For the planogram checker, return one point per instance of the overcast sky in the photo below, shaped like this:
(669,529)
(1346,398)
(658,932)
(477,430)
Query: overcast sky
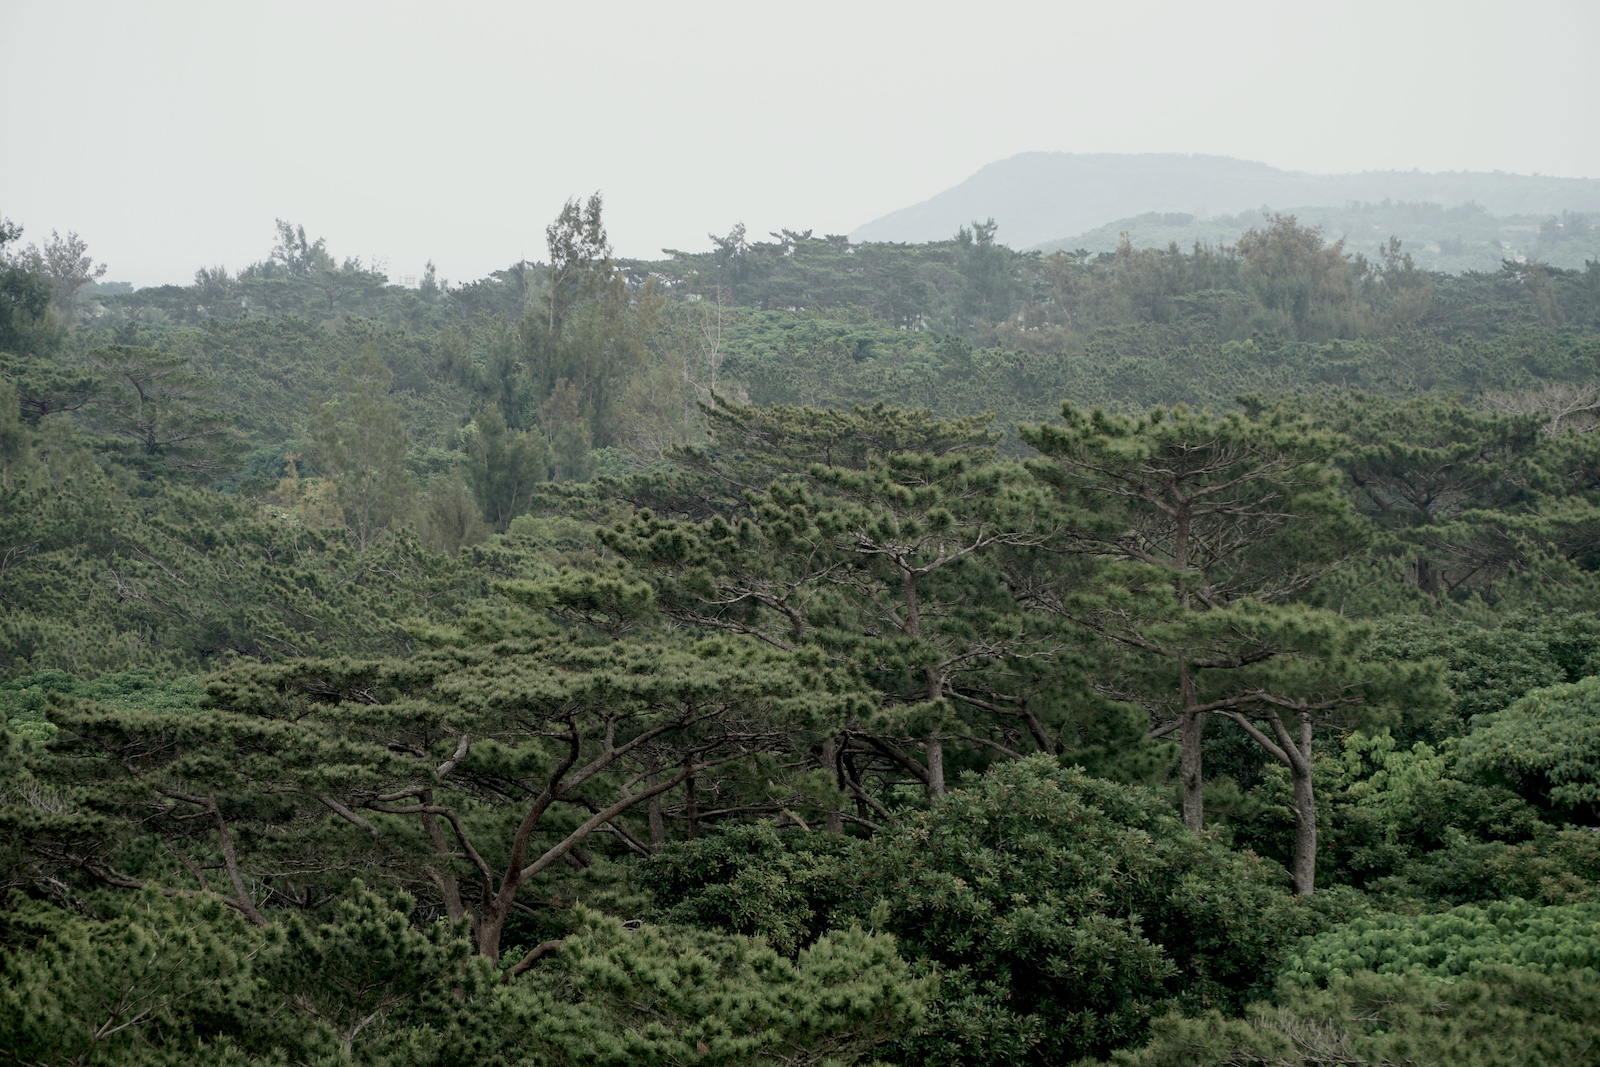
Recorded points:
(171,133)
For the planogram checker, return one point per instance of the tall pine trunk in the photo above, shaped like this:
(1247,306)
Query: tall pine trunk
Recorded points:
(1305,811)
(935,768)
(830,763)
(1189,762)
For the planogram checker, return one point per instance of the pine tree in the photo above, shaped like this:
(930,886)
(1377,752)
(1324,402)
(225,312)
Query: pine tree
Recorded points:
(1218,525)
(655,996)
(160,408)
(505,467)
(139,987)
(367,979)
(465,773)
(361,444)
(881,559)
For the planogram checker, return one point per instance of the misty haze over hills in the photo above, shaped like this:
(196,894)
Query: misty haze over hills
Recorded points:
(1456,239)
(1039,197)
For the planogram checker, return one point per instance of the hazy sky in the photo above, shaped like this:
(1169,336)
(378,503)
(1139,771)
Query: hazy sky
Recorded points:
(171,133)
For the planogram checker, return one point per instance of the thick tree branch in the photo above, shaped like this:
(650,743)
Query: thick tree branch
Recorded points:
(601,817)
(348,815)
(534,955)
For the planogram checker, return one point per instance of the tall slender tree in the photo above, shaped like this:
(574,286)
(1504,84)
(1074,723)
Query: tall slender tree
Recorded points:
(361,443)
(1221,523)
(1215,510)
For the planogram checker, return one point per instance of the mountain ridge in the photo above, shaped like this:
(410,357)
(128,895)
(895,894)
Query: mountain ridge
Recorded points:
(1037,197)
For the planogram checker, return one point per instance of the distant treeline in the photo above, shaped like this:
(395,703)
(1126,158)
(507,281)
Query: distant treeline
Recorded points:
(1286,276)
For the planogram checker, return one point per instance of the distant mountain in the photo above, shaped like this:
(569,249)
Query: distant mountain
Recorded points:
(1456,239)
(1046,196)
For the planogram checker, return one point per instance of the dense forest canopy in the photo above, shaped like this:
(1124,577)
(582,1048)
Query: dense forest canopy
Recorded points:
(801,651)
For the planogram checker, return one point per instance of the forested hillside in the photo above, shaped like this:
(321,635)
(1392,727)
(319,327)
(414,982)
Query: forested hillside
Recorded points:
(801,651)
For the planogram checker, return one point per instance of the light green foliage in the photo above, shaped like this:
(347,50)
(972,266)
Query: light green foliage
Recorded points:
(155,983)
(1389,808)
(1557,940)
(1424,824)
(369,981)
(1501,1017)
(23,711)
(656,996)
(156,980)
(754,881)
(1388,783)
(614,604)
(140,688)
(1411,826)
(25,704)
(1549,741)
(540,545)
